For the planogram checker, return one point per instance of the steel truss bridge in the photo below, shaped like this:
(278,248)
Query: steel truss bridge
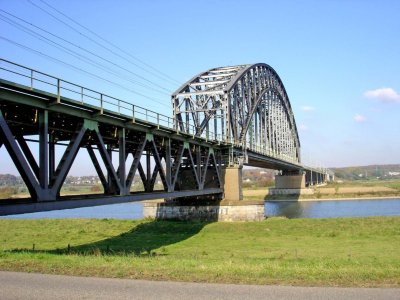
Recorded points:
(230,116)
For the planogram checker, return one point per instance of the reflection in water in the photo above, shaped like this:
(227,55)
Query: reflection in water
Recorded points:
(333,209)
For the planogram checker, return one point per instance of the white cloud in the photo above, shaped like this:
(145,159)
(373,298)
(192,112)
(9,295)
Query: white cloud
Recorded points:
(387,95)
(303,127)
(307,108)
(359,118)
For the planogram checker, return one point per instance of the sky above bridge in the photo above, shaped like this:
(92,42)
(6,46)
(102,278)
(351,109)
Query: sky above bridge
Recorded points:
(339,60)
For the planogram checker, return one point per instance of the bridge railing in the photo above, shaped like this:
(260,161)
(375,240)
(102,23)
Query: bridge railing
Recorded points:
(63,89)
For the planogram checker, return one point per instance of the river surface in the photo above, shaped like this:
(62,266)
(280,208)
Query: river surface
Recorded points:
(334,209)
(310,209)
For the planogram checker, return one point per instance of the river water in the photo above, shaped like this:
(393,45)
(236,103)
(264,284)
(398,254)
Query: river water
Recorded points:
(310,209)
(334,209)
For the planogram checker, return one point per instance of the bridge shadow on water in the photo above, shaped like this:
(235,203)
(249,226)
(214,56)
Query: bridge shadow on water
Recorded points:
(282,197)
(141,240)
(287,206)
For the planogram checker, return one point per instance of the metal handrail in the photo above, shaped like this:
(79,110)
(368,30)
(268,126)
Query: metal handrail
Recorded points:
(106,102)
(135,112)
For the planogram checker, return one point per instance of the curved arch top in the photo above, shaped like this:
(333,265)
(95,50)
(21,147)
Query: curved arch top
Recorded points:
(246,105)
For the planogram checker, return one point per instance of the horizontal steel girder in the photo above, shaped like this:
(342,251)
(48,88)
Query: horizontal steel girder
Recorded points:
(81,128)
(67,203)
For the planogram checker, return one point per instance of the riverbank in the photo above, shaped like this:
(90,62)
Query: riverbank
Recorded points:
(288,199)
(309,252)
(328,193)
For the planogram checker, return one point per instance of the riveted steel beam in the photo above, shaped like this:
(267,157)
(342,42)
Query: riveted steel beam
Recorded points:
(44,149)
(67,203)
(98,169)
(18,158)
(67,159)
(135,163)
(28,155)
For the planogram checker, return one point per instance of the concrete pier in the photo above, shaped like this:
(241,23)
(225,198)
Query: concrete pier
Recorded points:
(233,183)
(232,208)
(290,181)
(290,185)
(225,211)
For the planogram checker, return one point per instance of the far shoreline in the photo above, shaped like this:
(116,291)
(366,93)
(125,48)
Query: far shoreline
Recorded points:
(333,199)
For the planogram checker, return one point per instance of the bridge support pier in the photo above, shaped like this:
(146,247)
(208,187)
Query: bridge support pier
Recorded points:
(297,181)
(290,184)
(231,208)
(315,178)
(233,183)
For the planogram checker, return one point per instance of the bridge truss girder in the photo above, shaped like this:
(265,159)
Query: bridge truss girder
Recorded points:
(245,105)
(62,129)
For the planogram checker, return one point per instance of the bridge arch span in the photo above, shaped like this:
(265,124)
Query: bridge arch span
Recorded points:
(245,105)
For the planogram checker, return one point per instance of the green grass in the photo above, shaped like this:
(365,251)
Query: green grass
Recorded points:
(394,185)
(329,252)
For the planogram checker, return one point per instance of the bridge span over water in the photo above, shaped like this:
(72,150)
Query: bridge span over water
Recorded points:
(223,119)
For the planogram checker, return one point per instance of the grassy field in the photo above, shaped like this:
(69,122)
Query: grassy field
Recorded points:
(312,252)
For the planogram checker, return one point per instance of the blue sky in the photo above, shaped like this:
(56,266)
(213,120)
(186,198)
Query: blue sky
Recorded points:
(339,60)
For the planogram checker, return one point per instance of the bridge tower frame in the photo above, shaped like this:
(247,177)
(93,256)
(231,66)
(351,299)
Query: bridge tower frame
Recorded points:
(245,105)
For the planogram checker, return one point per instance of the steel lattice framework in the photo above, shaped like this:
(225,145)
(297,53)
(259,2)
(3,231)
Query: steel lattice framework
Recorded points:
(222,118)
(245,105)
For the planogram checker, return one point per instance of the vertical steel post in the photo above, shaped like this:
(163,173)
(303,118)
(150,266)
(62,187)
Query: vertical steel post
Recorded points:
(222,139)
(215,125)
(256,127)
(122,159)
(43,149)
(227,112)
(269,124)
(266,140)
(111,187)
(187,115)
(148,170)
(168,165)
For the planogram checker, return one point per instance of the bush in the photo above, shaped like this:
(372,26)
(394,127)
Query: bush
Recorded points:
(96,188)
(7,192)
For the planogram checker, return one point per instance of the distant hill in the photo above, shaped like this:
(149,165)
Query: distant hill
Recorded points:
(368,172)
